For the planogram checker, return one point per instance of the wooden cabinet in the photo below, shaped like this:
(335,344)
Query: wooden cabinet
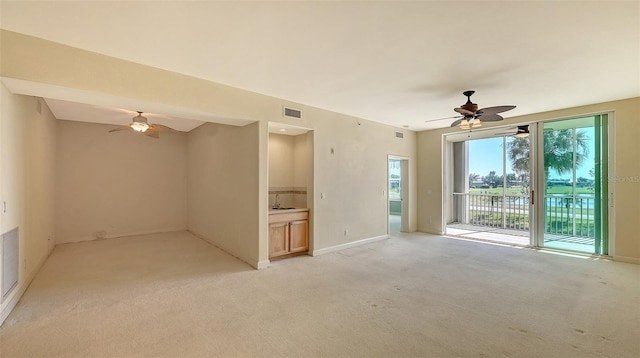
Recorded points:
(288,233)
(299,236)
(278,239)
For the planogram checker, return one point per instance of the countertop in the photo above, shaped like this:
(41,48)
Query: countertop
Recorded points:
(283,211)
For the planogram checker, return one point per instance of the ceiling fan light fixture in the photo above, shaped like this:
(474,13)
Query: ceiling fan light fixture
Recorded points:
(464,124)
(523,132)
(139,126)
(476,123)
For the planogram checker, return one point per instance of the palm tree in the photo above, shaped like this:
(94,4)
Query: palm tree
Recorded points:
(518,151)
(558,151)
(473,177)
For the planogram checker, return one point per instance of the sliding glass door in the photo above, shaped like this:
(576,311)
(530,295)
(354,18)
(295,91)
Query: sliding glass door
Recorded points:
(491,181)
(573,190)
(543,184)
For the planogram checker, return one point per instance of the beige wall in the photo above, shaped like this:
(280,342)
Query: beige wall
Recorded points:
(27,152)
(118,184)
(281,160)
(289,169)
(353,178)
(302,160)
(223,196)
(624,180)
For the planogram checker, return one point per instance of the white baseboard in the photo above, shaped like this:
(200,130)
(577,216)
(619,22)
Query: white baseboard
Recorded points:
(629,260)
(430,231)
(262,264)
(249,261)
(327,250)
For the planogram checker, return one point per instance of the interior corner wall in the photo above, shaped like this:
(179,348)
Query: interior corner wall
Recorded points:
(223,188)
(624,179)
(281,160)
(118,184)
(27,152)
(301,162)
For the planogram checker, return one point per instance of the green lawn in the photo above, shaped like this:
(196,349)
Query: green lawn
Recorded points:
(518,191)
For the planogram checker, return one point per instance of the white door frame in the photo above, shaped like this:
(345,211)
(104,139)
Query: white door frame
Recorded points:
(404,190)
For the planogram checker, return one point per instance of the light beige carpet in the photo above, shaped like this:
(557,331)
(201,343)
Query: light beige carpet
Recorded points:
(173,295)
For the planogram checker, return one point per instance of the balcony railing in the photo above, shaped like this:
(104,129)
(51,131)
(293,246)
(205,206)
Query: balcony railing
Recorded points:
(564,214)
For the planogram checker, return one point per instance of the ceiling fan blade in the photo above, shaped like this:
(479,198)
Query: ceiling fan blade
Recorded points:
(463,111)
(490,118)
(441,119)
(152,132)
(161,128)
(456,123)
(121,128)
(494,110)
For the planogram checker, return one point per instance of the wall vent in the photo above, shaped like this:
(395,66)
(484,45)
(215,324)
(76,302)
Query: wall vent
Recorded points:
(10,264)
(291,112)
(399,135)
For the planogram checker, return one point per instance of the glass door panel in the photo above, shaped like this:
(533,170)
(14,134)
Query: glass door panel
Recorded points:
(491,181)
(572,200)
(395,195)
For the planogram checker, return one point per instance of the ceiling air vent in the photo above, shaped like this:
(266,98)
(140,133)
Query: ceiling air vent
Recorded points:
(399,135)
(291,112)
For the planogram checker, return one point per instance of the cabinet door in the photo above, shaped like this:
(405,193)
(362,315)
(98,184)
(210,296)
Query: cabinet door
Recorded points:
(299,236)
(278,239)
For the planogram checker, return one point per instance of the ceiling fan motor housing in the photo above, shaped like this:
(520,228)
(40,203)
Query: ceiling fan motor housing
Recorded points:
(469,106)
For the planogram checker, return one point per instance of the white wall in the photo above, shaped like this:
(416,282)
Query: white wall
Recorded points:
(118,184)
(27,153)
(223,193)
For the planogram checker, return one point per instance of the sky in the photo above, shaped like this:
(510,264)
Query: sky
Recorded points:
(486,155)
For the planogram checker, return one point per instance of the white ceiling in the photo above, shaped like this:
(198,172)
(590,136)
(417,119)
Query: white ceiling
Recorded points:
(400,63)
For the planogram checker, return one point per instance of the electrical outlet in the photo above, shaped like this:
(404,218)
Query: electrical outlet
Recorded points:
(323,196)
(4,206)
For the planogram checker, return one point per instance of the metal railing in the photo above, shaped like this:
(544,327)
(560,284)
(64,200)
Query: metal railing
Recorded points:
(564,214)
(570,215)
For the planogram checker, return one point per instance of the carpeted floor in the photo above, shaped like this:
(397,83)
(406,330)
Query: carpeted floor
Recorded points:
(173,295)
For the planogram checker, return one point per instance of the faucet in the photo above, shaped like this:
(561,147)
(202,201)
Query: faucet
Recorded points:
(276,204)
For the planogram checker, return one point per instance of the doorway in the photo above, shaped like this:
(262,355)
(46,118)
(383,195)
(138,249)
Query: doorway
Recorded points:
(398,189)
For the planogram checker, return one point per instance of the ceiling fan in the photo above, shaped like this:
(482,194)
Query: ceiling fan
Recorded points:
(472,117)
(522,131)
(139,124)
